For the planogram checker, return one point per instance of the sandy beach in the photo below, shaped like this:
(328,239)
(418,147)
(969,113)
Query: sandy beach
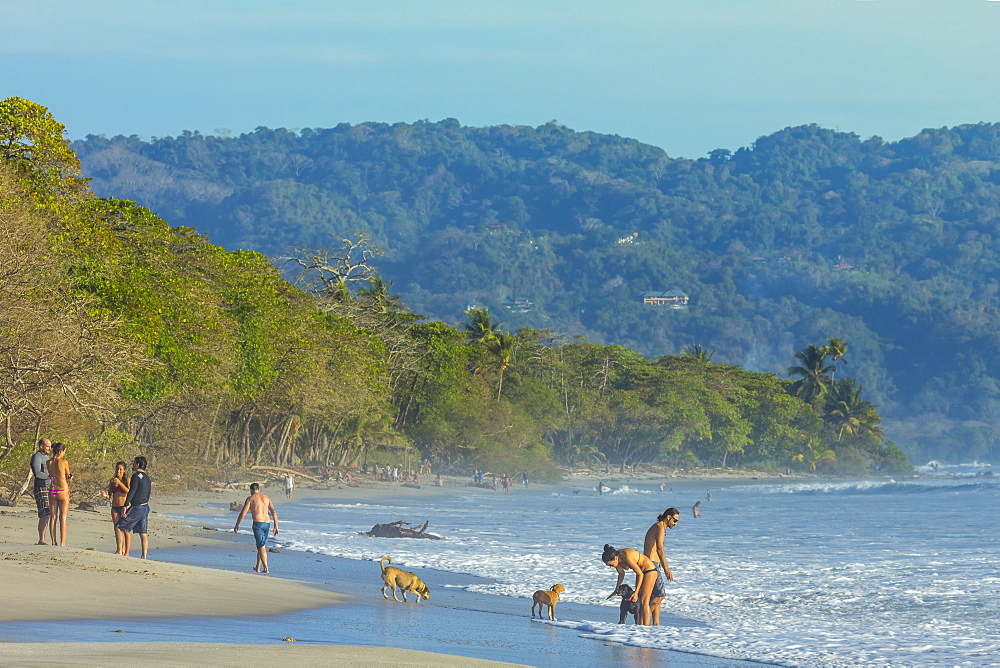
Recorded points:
(85,581)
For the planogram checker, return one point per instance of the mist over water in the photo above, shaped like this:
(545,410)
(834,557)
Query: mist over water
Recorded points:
(887,572)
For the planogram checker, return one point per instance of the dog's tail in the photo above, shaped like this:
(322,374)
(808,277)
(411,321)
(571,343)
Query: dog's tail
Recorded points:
(381,562)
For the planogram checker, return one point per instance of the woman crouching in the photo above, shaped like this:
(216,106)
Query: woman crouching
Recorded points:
(645,575)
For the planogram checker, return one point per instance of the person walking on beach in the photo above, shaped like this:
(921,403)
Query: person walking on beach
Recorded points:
(59,477)
(117,493)
(646,576)
(259,506)
(524,478)
(135,512)
(41,489)
(653,548)
(289,486)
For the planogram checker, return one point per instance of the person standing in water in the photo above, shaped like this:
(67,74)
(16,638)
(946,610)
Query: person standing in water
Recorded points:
(697,509)
(653,548)
(259,506)
(645,576)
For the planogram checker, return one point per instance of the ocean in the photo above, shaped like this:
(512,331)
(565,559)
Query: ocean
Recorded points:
(806,572)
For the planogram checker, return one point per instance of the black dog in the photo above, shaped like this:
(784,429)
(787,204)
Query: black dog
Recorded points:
(627,607)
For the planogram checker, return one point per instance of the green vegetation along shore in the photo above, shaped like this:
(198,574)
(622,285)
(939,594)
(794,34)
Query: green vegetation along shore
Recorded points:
(807,234)
(122,334)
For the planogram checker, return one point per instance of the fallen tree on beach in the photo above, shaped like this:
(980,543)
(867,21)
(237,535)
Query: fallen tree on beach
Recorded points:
(399,530)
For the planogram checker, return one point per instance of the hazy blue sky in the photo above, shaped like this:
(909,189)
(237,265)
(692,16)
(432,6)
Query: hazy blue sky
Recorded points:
(685,75)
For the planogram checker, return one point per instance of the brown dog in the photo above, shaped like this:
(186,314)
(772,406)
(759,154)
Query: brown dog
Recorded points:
(405,580)
(548,597)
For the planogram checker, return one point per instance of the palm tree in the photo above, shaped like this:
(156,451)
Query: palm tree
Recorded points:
(850,414)
(501,346)
(481,326)
(377,297)
(698,352)
(836,349)
(813,374)
(814,453)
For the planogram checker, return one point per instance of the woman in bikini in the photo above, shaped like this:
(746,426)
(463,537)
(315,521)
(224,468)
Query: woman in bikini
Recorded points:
(117,493)
(60,476)
(645,575)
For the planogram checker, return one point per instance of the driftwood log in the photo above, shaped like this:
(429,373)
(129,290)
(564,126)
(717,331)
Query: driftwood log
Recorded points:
(399,530)
(281,472)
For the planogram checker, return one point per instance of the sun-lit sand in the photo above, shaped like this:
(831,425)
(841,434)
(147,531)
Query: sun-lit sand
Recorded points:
(85,581)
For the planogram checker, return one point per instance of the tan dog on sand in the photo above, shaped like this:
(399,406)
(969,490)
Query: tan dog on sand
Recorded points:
(548,597)
(405,580)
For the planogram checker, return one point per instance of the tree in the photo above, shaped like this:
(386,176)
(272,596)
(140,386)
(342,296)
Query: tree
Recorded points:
(501,347)
(814,453)
(835,349)
(699,353)
(481,326)
(849,414)
(813,374)
(32,142)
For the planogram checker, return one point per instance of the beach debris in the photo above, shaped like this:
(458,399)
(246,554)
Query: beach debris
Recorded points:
(274,550)
(289,639)
(399,529)
(120,631)
(87,505)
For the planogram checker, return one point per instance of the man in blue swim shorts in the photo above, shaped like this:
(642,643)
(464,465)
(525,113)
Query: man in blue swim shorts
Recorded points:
(135,512)
(259,506)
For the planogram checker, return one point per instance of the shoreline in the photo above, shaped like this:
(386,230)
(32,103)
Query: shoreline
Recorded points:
(98,583)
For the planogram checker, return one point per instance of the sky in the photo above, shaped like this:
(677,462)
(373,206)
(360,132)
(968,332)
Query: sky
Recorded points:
(688,76)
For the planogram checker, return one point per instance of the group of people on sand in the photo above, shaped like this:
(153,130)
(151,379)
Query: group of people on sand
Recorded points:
(51,490)
(650,589)
(129,498)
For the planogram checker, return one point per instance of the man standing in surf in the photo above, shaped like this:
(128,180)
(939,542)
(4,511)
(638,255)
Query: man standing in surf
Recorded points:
(653,548)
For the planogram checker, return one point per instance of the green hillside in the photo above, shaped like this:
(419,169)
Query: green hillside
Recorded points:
(121,334)
(808,234)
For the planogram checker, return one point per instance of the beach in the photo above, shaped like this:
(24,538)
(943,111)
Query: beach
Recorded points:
(85,581)
(198,570)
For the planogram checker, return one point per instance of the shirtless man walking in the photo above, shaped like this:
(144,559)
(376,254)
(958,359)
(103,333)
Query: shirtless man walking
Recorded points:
(653,548)
(259,506)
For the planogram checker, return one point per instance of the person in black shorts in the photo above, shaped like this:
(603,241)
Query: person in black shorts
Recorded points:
(41,489)
(135,512)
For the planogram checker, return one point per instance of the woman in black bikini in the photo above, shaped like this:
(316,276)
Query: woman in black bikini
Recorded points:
(645,575)
(117,492)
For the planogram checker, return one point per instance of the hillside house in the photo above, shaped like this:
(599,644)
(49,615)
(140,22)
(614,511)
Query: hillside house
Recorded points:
(520,304)
(672,298)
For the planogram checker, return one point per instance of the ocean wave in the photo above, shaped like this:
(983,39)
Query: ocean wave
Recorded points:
(872,487)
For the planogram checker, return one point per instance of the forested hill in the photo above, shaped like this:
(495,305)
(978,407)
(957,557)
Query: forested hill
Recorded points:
(806,235)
